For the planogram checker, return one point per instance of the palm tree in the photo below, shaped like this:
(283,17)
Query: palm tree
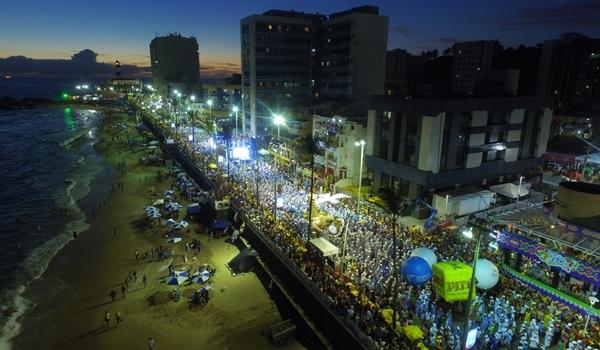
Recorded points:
(394,205)
(310,147)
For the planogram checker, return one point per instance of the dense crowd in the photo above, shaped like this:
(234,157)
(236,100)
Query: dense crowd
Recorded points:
(509,315)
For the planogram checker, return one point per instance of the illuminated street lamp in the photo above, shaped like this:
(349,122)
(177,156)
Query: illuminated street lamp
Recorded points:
(468,233)
(235,110)
(521,178)
(277,120)
(210,103)
(360,144)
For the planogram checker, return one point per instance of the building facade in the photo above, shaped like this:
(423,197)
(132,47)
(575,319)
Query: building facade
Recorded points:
(471,62)
(337,153)
(175,64)
(569,70)
(290,58)
(426,145)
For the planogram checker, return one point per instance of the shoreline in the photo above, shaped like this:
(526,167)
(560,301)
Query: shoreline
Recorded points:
(75,297)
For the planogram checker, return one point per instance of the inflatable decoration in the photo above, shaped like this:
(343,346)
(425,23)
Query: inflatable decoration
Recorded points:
(486,274)
(416,270)
(426,253)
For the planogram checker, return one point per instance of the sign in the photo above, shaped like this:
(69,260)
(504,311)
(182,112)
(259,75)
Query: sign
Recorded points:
(451,280)
(581,270)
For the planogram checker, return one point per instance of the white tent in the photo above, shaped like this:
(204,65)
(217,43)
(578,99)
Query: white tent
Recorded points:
(552,180)
(325,247)
(511,190)
(593,158)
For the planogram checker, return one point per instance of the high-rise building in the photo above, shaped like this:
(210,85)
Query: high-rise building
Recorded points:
(351,53)
(175,63)
(276,65)
(289,58)
(569,70)
(425,145)
(471,62)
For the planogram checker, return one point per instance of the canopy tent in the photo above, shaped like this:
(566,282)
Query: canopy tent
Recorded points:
(552,180)
(244,261)
(593,158)
(324,247)
(511,190)
(194,209)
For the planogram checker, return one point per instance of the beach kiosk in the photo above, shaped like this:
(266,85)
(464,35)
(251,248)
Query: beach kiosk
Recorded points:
(451,280)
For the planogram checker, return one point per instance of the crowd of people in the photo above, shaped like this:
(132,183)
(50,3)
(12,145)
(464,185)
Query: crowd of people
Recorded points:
(361,282)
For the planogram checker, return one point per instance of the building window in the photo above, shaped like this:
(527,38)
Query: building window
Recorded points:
(270,26)
(307,29)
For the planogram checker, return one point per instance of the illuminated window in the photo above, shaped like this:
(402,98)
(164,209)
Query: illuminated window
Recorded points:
(307,29)
(270,26)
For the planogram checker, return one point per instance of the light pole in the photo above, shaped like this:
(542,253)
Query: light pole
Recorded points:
(235,110)
(209,103)
(469,234)
(521,178)
(193,98)
(362,144)
(277,120)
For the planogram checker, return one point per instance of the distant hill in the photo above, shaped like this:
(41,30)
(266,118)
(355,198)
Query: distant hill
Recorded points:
(81,63)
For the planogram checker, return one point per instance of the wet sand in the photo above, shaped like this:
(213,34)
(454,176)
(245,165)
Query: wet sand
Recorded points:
(75,288)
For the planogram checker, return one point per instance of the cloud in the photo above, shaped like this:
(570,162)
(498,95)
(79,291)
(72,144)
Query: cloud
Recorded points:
(402,30)
(81,63)
(446,40)
(219,69)
(566,16)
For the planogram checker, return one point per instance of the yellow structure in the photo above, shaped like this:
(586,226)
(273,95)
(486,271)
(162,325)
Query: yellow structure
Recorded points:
(451,280)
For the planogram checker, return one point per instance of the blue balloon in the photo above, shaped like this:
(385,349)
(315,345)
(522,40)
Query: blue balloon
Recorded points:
(416,270)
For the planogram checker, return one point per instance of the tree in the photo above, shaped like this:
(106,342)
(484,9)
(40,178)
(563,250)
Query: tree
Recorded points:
(310,147)
(391,198)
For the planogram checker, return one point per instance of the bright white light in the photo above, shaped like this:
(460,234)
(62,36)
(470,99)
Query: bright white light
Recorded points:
(220,159)
(468,232)
(190,137)
(111,88)
(175,91)
(279,202)
(360,143)
(211,143)
(78,87)
(278,119)
(172,125)
(241,152)
(209,102)
(235,109)
(193,98)
(471,338)
(85,86)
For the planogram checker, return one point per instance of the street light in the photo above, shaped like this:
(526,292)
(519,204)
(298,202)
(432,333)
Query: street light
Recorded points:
(468,233)
(521,178)
(277,120)
(235,110)
(362,144)
(210,103)
(193,98)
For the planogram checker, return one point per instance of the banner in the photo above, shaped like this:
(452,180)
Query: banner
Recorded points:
(581,270)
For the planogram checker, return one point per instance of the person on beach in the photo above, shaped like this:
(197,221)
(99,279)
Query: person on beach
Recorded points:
(118,317)
(123,290)
(107,319)
(115,231)
(151,344)
(113,294)
(145,280)
(137,255)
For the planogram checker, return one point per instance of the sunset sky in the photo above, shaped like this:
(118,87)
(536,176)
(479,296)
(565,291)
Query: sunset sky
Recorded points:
(123,29)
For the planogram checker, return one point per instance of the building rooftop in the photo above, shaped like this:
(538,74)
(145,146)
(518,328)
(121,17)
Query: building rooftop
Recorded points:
(295,14)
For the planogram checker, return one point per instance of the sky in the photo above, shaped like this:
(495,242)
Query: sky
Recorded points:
(123,29)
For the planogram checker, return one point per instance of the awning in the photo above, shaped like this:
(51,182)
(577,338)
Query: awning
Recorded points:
(511,190)
(325,247)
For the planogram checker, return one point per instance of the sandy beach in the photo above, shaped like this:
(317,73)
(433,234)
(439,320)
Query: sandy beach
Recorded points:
(75,289)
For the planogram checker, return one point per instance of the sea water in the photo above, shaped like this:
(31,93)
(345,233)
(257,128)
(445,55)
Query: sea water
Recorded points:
(47,163)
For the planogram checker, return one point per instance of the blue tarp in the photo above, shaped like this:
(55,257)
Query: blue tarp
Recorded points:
(219,225)
(197,209)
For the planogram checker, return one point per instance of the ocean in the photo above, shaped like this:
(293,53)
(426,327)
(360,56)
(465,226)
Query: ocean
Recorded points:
(47,170)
